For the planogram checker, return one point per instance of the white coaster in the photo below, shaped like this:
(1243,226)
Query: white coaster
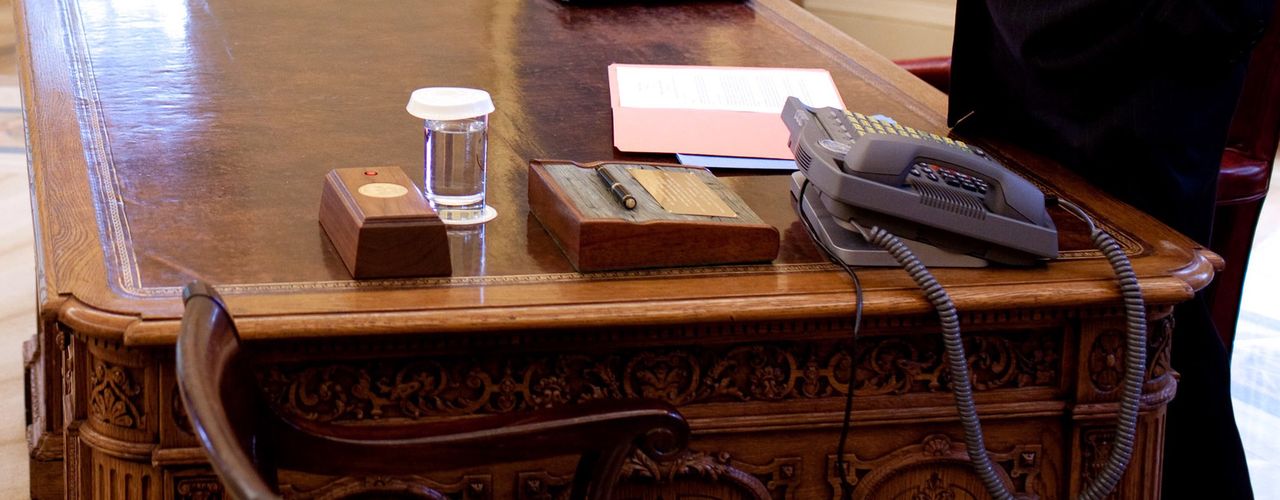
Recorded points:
(466,217)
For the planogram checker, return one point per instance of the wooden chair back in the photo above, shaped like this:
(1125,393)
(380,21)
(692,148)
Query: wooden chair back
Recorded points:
(218,395)
(246,442)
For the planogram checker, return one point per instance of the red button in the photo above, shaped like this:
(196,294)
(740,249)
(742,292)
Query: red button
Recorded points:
(371,172)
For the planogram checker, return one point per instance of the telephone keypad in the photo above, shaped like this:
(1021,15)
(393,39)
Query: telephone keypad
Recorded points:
(863,124)
(950,177)
(855,125)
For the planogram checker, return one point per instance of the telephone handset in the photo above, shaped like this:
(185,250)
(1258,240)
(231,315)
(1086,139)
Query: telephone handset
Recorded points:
(921,186)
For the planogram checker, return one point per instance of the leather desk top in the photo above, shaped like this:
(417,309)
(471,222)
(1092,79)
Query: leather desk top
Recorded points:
(177,141)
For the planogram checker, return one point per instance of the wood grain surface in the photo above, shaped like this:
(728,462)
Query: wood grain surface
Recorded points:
(141,195)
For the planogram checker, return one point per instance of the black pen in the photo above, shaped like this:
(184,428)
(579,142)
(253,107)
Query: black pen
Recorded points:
(619,191)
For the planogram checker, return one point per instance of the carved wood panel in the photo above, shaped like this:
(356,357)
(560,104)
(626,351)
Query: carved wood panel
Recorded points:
(543,485)
(703,472)
(203,484)
(194,484)
(1102,353)
(497,381)
(112,478)
(77,466)
(1159,343)
(120,392)
(175,430)
(938,468)
(693,474)
(43,375)
(115,395)
(1095,449)
(462,487)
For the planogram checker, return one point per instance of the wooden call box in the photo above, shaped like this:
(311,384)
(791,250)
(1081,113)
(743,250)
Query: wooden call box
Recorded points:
(381,224)
(598,233)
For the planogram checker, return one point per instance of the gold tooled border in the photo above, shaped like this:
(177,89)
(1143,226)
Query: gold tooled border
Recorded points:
(125,276)
(113,222)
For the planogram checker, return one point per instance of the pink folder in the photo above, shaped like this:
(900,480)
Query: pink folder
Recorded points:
(698,131)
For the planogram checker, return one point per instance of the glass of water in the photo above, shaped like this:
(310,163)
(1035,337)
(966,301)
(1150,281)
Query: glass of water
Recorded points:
(455,152)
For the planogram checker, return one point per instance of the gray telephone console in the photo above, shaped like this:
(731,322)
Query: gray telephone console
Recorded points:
(952,204)
(864,179)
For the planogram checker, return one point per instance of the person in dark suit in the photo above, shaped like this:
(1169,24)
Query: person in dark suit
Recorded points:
(1136,96)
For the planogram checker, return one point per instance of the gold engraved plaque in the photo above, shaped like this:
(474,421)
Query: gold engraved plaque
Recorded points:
(682,193)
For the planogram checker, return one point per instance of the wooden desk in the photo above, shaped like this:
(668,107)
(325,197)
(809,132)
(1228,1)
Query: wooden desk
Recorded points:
(170,143)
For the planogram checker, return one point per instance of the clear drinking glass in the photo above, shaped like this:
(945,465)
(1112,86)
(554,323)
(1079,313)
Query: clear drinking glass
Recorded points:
(455,151)
(466,250)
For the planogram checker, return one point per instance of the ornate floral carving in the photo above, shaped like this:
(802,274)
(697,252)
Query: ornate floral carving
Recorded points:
(1095,448)
(755,372)
(936,445)
(946,463)
(179,411)
(715,467)
(776,479)
(468,487)
(542,485)
(670,376)
(1106,361)
(1106,355)
(780,477)
(68,371)
(1159,335)
(113,396)
(900,365)
(935,489)
(197,488)
(696,464)
(498,382)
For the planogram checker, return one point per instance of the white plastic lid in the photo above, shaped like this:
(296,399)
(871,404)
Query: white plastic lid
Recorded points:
(449,103)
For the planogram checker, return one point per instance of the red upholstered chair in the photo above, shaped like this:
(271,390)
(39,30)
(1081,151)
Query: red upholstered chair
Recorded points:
(1245,175)
(246,442)
(935,71)
(1245,169)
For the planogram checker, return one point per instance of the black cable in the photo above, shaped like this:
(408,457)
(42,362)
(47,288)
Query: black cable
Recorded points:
(846,487)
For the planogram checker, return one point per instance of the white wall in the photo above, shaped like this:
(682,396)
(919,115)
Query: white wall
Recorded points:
(899,29)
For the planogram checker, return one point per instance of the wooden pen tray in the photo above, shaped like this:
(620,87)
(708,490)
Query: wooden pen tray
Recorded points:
(597,233)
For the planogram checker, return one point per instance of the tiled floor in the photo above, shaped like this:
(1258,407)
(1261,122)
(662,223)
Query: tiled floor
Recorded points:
(17,295)
(1255,366)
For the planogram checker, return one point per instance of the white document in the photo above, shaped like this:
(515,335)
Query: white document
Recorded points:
(708,110)
(759,90)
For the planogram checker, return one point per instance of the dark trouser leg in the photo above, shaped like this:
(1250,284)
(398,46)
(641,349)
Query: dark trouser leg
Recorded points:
(1203,456)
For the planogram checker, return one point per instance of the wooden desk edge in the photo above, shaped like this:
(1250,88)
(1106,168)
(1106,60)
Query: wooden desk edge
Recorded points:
(1099,294)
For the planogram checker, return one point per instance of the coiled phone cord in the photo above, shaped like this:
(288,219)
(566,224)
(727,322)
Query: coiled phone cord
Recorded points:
(957,362)
(962,389)
(1135,358)
(1135,355)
